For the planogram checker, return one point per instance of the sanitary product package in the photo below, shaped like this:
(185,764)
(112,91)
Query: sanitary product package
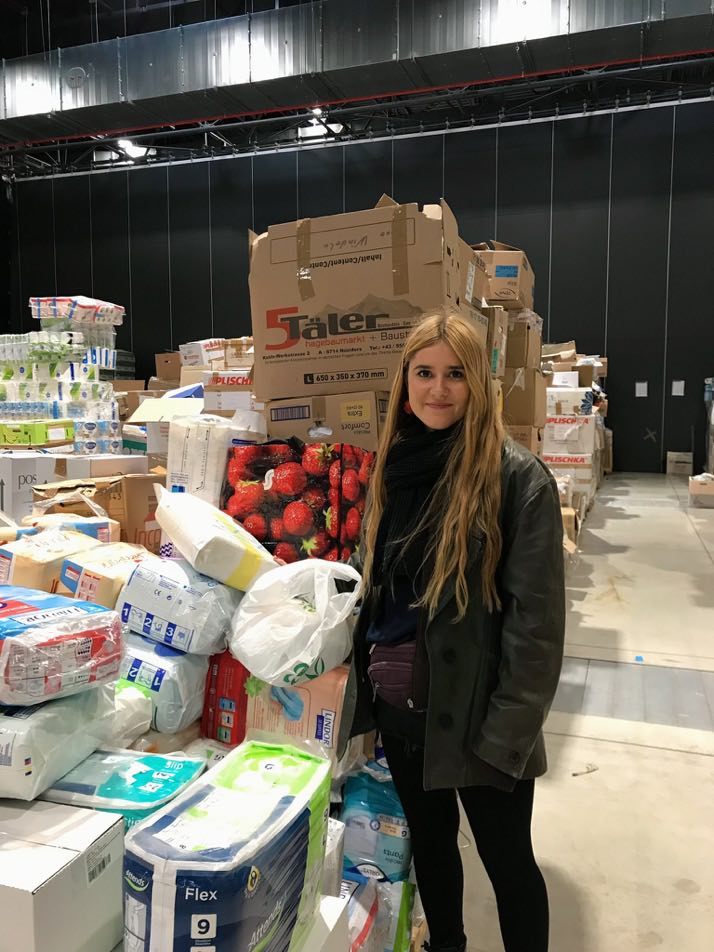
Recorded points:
(125,781)
(295,623)
(377,840)
(211,541)
(174,681)
(210,750)
(234,863)
(133,715)
(40,744)
(101,528)
(362,912)
(171,602)
(154,742)
(225,705)
(36,561)
(98,575)
(52,646)
(334,858)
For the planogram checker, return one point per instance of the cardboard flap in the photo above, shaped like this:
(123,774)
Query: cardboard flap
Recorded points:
(166,408)
(502,246)
(385,201)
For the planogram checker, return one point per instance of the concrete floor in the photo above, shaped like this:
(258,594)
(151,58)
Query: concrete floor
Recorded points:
(623,821)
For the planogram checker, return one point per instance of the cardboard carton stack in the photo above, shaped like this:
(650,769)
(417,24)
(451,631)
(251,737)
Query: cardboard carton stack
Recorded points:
(524,384)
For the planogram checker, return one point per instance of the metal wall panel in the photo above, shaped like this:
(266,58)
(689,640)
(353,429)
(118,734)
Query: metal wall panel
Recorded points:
(232,45)
(154,65)
(285,43)
(198,56)
(358,34)
(599,14)
(438,27)
(92,75)
(31,86)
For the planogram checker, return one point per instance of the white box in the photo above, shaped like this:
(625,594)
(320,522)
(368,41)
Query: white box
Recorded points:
(570,434)
(580,467)
(19,472)
(566,378)
(68,466)
(228,399)
(330,929)
(60,878)
(203,353)
(569,401)
(680,464)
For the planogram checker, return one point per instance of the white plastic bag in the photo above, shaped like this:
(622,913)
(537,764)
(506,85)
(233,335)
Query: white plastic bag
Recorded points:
(293,625)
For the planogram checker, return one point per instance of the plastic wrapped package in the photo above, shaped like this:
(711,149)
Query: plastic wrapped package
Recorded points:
(125,781)
(51,646)
(36,561)
(40,744)
(211,750)
(334,858)
(154,742)
(211,541)
(99,574)
(394,918)
(236,861)
(362,912)
(171,602)
(295,624)
(133,715)
(101,528)
(377,840)
(77,308)
(174,681)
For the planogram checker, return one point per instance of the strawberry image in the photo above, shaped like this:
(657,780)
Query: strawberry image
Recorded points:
(345,555)
(365,469)
(333,522)
(271,500)
(277,529)
(316,545)
(316,459)
(277,452)
(336,474)
(289,479)
(314,498)
(256,525)
(286,551)
(344,538)
(239,466)
(298,519)
(360,505)
(351,488)
(247,498)
(334,497)
(333,555)
(353,523)
(349,457)
(359,453)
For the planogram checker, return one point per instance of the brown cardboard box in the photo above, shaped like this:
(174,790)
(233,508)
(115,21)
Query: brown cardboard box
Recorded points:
(124,386)
(701,493)
(239,352)
(524,401)
(511,278)
(135,398)
(608,461)
(131,500)
(560,352)
(587,375)
(497,341)
(334,299)
(355,418)
(523,345)
(164,386)
(193,375)
(473,284)
(680,464)
(168,366)
(530,437)
(570,523)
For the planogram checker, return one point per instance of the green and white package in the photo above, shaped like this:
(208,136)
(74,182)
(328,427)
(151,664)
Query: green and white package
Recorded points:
(126,781)
(235,862)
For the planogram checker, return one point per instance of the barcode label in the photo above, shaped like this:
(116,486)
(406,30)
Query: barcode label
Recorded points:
(282,414)
(107,849)
(99,868)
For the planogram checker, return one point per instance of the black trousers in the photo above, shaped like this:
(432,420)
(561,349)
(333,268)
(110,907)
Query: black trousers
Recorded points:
(501,826)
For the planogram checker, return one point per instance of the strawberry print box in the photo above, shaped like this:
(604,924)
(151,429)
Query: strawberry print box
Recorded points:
(300,500)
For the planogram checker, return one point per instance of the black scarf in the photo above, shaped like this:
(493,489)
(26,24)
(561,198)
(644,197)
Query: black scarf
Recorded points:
(414,465)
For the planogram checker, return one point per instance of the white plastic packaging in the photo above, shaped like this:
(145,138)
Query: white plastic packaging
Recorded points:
(294,625)
(211,541)
(40,744)
(174,681)
(212,751)
(133,715)
(171,602)
(154,742)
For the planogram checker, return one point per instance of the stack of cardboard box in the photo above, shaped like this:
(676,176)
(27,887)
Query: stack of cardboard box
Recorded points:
(334,299)
(525,385)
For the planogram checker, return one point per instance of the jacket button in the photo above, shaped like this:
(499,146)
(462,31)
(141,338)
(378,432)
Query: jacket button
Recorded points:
(446,721)
(449,656)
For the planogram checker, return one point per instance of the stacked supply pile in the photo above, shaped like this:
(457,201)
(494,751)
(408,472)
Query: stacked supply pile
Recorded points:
(525,385)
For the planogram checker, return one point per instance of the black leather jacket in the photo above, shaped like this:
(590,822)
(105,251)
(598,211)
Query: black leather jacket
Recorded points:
(492,675)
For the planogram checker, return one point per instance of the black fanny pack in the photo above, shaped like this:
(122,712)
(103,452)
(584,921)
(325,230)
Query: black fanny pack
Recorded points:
(400,675)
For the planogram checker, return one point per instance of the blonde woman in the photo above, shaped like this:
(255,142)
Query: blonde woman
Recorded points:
(460,641)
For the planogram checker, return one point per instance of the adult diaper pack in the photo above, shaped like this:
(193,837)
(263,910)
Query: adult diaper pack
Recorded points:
(99,574)
(171,602)
(125,781)
(235,862)
(52,646)
(377,841)
(154,742)
(39,744)
(133,715)
(211,541)
(35,561)
(174,681)
(101,528)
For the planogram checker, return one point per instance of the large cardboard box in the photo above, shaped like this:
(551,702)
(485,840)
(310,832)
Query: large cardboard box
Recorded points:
(168,366)
(131,500)
(530,437)
(219,397)
(511,278)
(473,284)
(334,299)
(701,492)
(238,352)
(156,416)
(98,575)
(608,460)
(355,418)
(204,353)
(582,468)
(571,434)
(680,464)
(524,397)
(497,338)
(68,466)
(566,378)
(124,386)
(523,346)
(19,472)
(569,401)
(36,561)
(60,878)
(560,352)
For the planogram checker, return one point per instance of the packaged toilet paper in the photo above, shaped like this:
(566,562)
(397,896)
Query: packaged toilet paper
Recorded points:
(99,574)
(174,681)
(125,781)
(171,602)
(211,541)
(41,743)
(234,863)
(377,840)
(52,646)
(35,561)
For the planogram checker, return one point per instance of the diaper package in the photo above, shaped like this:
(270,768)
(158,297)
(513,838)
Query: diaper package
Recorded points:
(125,781)
(377,841)
(210,750)
(236,861)
(35,561)
(211,541)
(101,528)
(52,646)
(174,681)
(133,715)
(99,574)
(154,742)
(171,602)
(41,743)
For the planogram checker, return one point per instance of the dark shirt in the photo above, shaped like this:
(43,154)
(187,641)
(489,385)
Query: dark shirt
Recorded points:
(395,621)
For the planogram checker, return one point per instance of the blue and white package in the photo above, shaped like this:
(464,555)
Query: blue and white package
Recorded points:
(377,839)
(126,781)
(235,863)
(173,603)
(174,681)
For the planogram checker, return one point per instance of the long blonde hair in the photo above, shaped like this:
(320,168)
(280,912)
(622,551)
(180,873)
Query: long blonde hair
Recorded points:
(467,498)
